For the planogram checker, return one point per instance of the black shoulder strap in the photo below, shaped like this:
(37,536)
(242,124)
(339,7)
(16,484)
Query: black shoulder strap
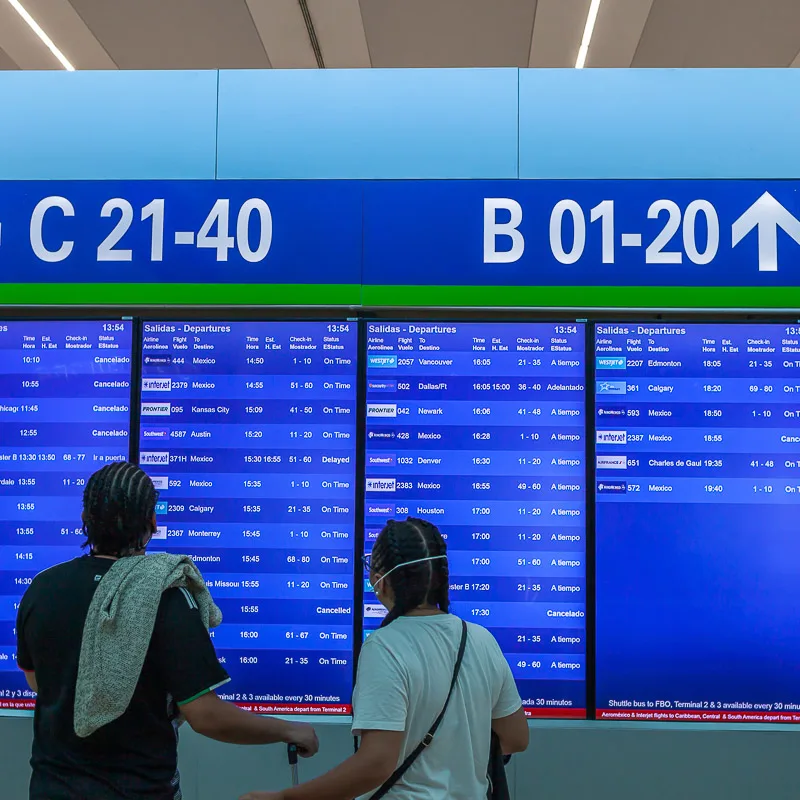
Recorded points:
(414,755)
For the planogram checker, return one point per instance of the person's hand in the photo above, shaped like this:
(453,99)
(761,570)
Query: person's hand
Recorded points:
(305,737)
(262,796)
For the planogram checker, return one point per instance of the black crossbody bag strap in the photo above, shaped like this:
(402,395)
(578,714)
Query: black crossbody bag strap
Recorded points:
(426,742)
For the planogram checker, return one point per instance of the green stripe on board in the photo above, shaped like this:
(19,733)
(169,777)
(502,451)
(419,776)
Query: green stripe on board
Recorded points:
(656,297)
(153,294)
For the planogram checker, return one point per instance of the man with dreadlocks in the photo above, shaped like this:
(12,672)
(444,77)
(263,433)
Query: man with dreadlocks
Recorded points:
(426,725)
(105,726)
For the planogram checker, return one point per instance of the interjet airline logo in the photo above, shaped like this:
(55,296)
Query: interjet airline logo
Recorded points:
(153,459)
(156,384)
(381,484)
(612,437)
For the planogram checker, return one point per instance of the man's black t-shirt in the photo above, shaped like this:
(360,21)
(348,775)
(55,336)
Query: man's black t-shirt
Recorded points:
(136,755)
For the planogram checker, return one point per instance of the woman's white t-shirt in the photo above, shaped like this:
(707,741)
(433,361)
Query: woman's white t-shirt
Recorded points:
(404,674)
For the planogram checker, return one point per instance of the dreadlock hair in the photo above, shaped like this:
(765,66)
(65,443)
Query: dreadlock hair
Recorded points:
(427,582)
(118,506)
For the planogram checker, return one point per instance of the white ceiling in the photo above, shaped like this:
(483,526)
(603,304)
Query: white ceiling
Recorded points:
(211,34)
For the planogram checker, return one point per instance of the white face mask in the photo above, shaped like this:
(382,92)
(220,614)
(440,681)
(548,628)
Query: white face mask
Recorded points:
(406,564)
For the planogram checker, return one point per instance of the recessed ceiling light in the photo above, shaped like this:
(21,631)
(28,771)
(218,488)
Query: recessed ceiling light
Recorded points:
(588,31)
(37,29)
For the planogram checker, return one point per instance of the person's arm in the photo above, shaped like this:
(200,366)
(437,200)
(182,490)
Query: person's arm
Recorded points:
(217,719)
(513,732)
(24,658)
(191,673)
(508,716)
(362,773)
(380,710)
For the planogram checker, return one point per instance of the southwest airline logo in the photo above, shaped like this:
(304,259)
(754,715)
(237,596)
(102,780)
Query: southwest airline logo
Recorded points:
(381,459)
(611,362)
(612,462)
(155,409)
(384,410)
(611,387)
(382,362)
(381,484)
(612,437)
(156,384)
(155,433)
(153,459)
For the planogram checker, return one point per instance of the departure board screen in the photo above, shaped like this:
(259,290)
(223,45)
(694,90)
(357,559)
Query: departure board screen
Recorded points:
(479,428)
(698,488)
(65,392)
(249,431)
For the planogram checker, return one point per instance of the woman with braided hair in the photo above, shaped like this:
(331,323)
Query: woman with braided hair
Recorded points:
(405,681)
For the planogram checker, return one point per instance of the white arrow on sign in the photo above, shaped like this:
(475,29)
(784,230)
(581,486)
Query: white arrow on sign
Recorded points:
(766,215)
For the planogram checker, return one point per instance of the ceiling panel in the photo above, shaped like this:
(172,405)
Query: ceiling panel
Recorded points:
(448,33)
(283,32)
(340,31)
(557,32)
(6,62)
(21,44)
(175,34)
(69,32)
(617,32)
(720,33)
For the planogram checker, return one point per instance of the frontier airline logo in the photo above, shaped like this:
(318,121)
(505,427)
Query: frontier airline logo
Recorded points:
(384,410)
(156,409)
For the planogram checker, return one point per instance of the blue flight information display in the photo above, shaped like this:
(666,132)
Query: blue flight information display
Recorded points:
(698,493)
(249,431)
(65,394)
(480,428)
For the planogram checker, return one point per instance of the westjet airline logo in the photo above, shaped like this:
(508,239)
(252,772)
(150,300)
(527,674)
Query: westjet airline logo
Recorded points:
(382,362)
(156,384)
(381,484)
(384,410)
(612,437)
(155,409)
(161,507)
(153,459)
(611,362)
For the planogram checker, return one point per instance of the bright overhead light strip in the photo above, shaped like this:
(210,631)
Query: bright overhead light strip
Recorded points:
(588,32)
(37,29)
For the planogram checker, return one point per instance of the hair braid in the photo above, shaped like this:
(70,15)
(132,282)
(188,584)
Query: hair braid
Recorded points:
(119,502)
(413,585)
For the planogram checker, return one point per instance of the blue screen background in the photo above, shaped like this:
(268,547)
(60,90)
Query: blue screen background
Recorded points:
(697,577)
